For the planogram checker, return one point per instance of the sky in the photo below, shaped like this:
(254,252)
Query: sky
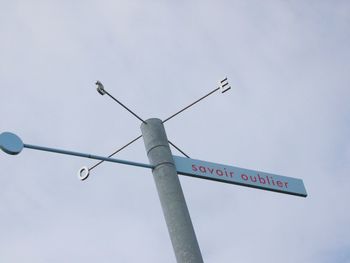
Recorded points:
(287,113)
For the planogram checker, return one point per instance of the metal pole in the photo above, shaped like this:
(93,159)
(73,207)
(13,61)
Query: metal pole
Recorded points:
(170,193)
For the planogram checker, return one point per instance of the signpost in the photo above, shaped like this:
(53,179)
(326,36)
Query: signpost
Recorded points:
(165,168)
(239,176)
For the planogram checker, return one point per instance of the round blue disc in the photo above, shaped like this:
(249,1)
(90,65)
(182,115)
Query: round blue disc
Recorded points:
(10,143)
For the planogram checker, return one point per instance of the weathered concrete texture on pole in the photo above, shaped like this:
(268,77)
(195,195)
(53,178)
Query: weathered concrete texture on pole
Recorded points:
(170,193)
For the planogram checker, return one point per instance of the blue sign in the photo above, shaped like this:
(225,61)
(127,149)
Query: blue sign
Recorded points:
(239,176)
(10,143)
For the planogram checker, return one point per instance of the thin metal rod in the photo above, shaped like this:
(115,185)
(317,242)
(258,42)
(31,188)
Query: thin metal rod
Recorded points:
(123,147)
(177,148)
(172,116)
(121,104)
(85,155)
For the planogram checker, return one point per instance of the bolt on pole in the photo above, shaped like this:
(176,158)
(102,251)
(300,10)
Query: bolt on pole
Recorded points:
(170,193)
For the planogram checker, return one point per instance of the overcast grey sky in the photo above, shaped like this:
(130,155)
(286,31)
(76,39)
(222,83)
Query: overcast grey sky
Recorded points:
(287,113)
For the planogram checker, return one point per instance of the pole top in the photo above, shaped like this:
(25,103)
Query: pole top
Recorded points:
(10,143)
(153,121)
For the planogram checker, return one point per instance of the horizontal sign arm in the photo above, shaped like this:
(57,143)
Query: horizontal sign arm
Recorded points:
(85,155)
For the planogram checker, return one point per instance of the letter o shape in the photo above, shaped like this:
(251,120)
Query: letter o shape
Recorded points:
(244,177)
(83,173)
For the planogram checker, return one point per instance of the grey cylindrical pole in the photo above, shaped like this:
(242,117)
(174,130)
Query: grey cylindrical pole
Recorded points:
(170,193)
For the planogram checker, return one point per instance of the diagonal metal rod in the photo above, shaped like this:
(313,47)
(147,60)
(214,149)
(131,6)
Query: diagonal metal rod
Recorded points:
(172,116)
(177,148)
(123,147)
(121,104)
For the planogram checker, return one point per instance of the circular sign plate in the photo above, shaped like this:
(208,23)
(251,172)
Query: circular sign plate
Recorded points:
(10,143)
